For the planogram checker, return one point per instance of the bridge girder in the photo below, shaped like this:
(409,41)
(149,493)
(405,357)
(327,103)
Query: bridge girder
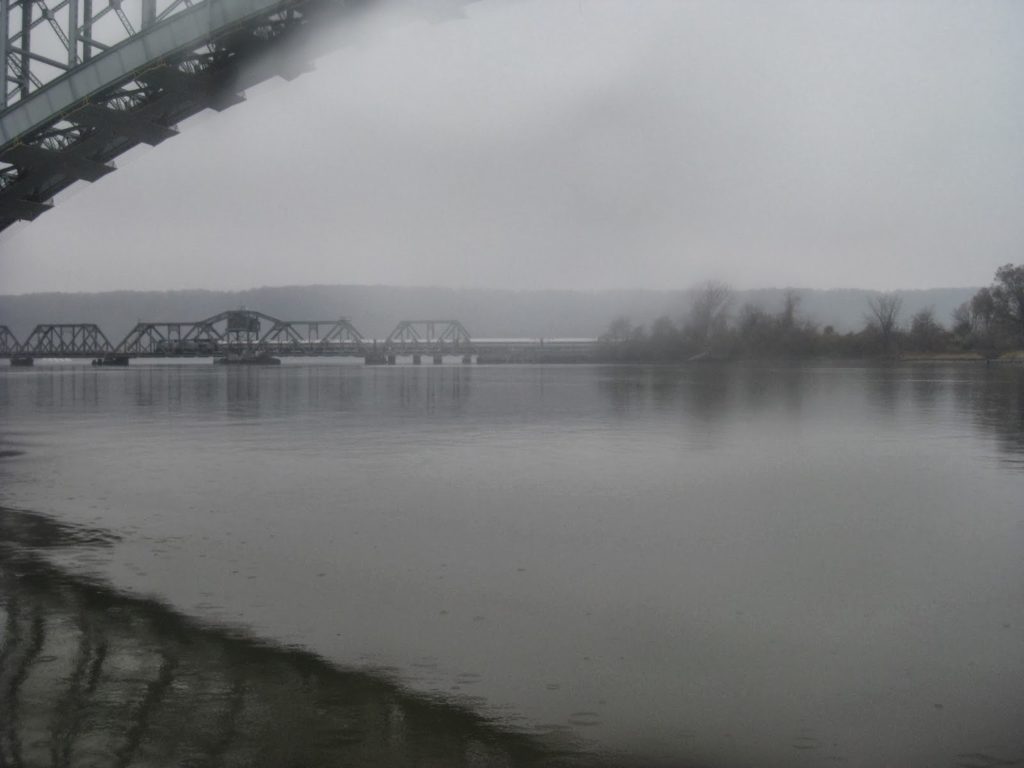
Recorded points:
(83,81)
(163,340)
(429,337)
(66,340)
(9,345)
(241,330)
(245,332)
(311,337)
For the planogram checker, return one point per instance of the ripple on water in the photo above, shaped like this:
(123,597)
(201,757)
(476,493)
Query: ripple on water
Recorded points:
(805,743)
(584,719)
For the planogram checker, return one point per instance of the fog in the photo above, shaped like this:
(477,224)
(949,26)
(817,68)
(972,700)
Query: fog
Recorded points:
(583,144)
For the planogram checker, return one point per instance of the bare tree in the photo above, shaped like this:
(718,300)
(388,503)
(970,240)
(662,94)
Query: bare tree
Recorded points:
(790,304)
(983,308)
(926,334)
(885,315)
(1008,296)
(620,330)
(964,322)
(708,313)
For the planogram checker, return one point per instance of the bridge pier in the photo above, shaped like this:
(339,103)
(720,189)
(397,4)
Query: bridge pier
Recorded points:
(22,361)
(373,358)
(417,359)
(120,361)
(438,359)
(467,359)
(392,359)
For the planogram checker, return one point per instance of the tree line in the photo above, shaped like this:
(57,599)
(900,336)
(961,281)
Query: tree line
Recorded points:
(990,323)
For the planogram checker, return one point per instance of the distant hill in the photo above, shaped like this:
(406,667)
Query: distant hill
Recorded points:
(375,310)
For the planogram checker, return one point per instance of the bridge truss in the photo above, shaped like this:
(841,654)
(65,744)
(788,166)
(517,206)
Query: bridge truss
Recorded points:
(83,81)
(8,343)
(164,339)
(249,336)
(66,340)
(436,337)
(312,337)
(242,331)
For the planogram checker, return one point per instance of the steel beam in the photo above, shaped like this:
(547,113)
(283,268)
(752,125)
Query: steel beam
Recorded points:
(66,340)
(87,30)
(26,46)
(67,162)
(124,122)
(72,33)
(194,54)
(5,10)
(23,209)
(188,30)
(8,343)
(429,336)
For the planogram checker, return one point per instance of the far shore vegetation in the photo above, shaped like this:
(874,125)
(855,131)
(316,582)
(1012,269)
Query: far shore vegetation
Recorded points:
(988,326)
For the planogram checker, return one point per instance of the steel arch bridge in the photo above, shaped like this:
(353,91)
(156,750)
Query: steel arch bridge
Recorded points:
(86,80)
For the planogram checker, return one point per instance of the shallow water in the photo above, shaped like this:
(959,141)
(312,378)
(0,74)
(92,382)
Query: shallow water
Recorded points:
(710,565)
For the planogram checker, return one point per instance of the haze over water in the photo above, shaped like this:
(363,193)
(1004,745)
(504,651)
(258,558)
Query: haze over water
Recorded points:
(704,565)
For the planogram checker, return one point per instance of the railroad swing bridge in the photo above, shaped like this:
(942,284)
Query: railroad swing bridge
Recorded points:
(247,336)
(84,81)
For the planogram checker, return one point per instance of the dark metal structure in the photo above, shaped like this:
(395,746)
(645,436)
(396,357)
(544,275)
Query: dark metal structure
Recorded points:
(8,344)
(313,338)
(242,330)
(66,340)
(433,337)
(163,339)
(247,335)
(83,81)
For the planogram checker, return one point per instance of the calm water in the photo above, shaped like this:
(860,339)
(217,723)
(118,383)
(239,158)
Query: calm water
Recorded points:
(711,566)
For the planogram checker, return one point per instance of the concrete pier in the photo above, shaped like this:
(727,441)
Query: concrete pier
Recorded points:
(417,359)
(119,361)
(438,359)
(242,360)
(22,361)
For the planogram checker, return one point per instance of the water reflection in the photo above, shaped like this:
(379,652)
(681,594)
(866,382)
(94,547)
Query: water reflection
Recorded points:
(996,403)
(732,564)
(91,677)
(712,395)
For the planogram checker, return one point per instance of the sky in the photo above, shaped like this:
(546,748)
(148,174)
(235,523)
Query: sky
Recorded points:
(588,144)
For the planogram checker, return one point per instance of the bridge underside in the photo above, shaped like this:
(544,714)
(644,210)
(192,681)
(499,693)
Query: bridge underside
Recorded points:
(86,80)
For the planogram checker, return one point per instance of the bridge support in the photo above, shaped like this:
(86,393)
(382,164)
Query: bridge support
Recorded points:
(252,359)
(417,359)
(438,359)
(22,361)
(392,359)
(119,361)
(467,359)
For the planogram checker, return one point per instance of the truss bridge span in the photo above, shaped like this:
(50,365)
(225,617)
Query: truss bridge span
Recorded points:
(83,81)
(248,336)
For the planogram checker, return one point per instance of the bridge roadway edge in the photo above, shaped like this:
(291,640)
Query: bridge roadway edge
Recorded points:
(40,171)
(121,63)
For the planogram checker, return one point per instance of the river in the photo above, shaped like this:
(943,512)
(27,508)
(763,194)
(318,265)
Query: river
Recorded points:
(707,565)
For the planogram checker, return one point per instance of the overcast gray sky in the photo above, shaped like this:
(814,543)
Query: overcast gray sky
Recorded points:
(587,144)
